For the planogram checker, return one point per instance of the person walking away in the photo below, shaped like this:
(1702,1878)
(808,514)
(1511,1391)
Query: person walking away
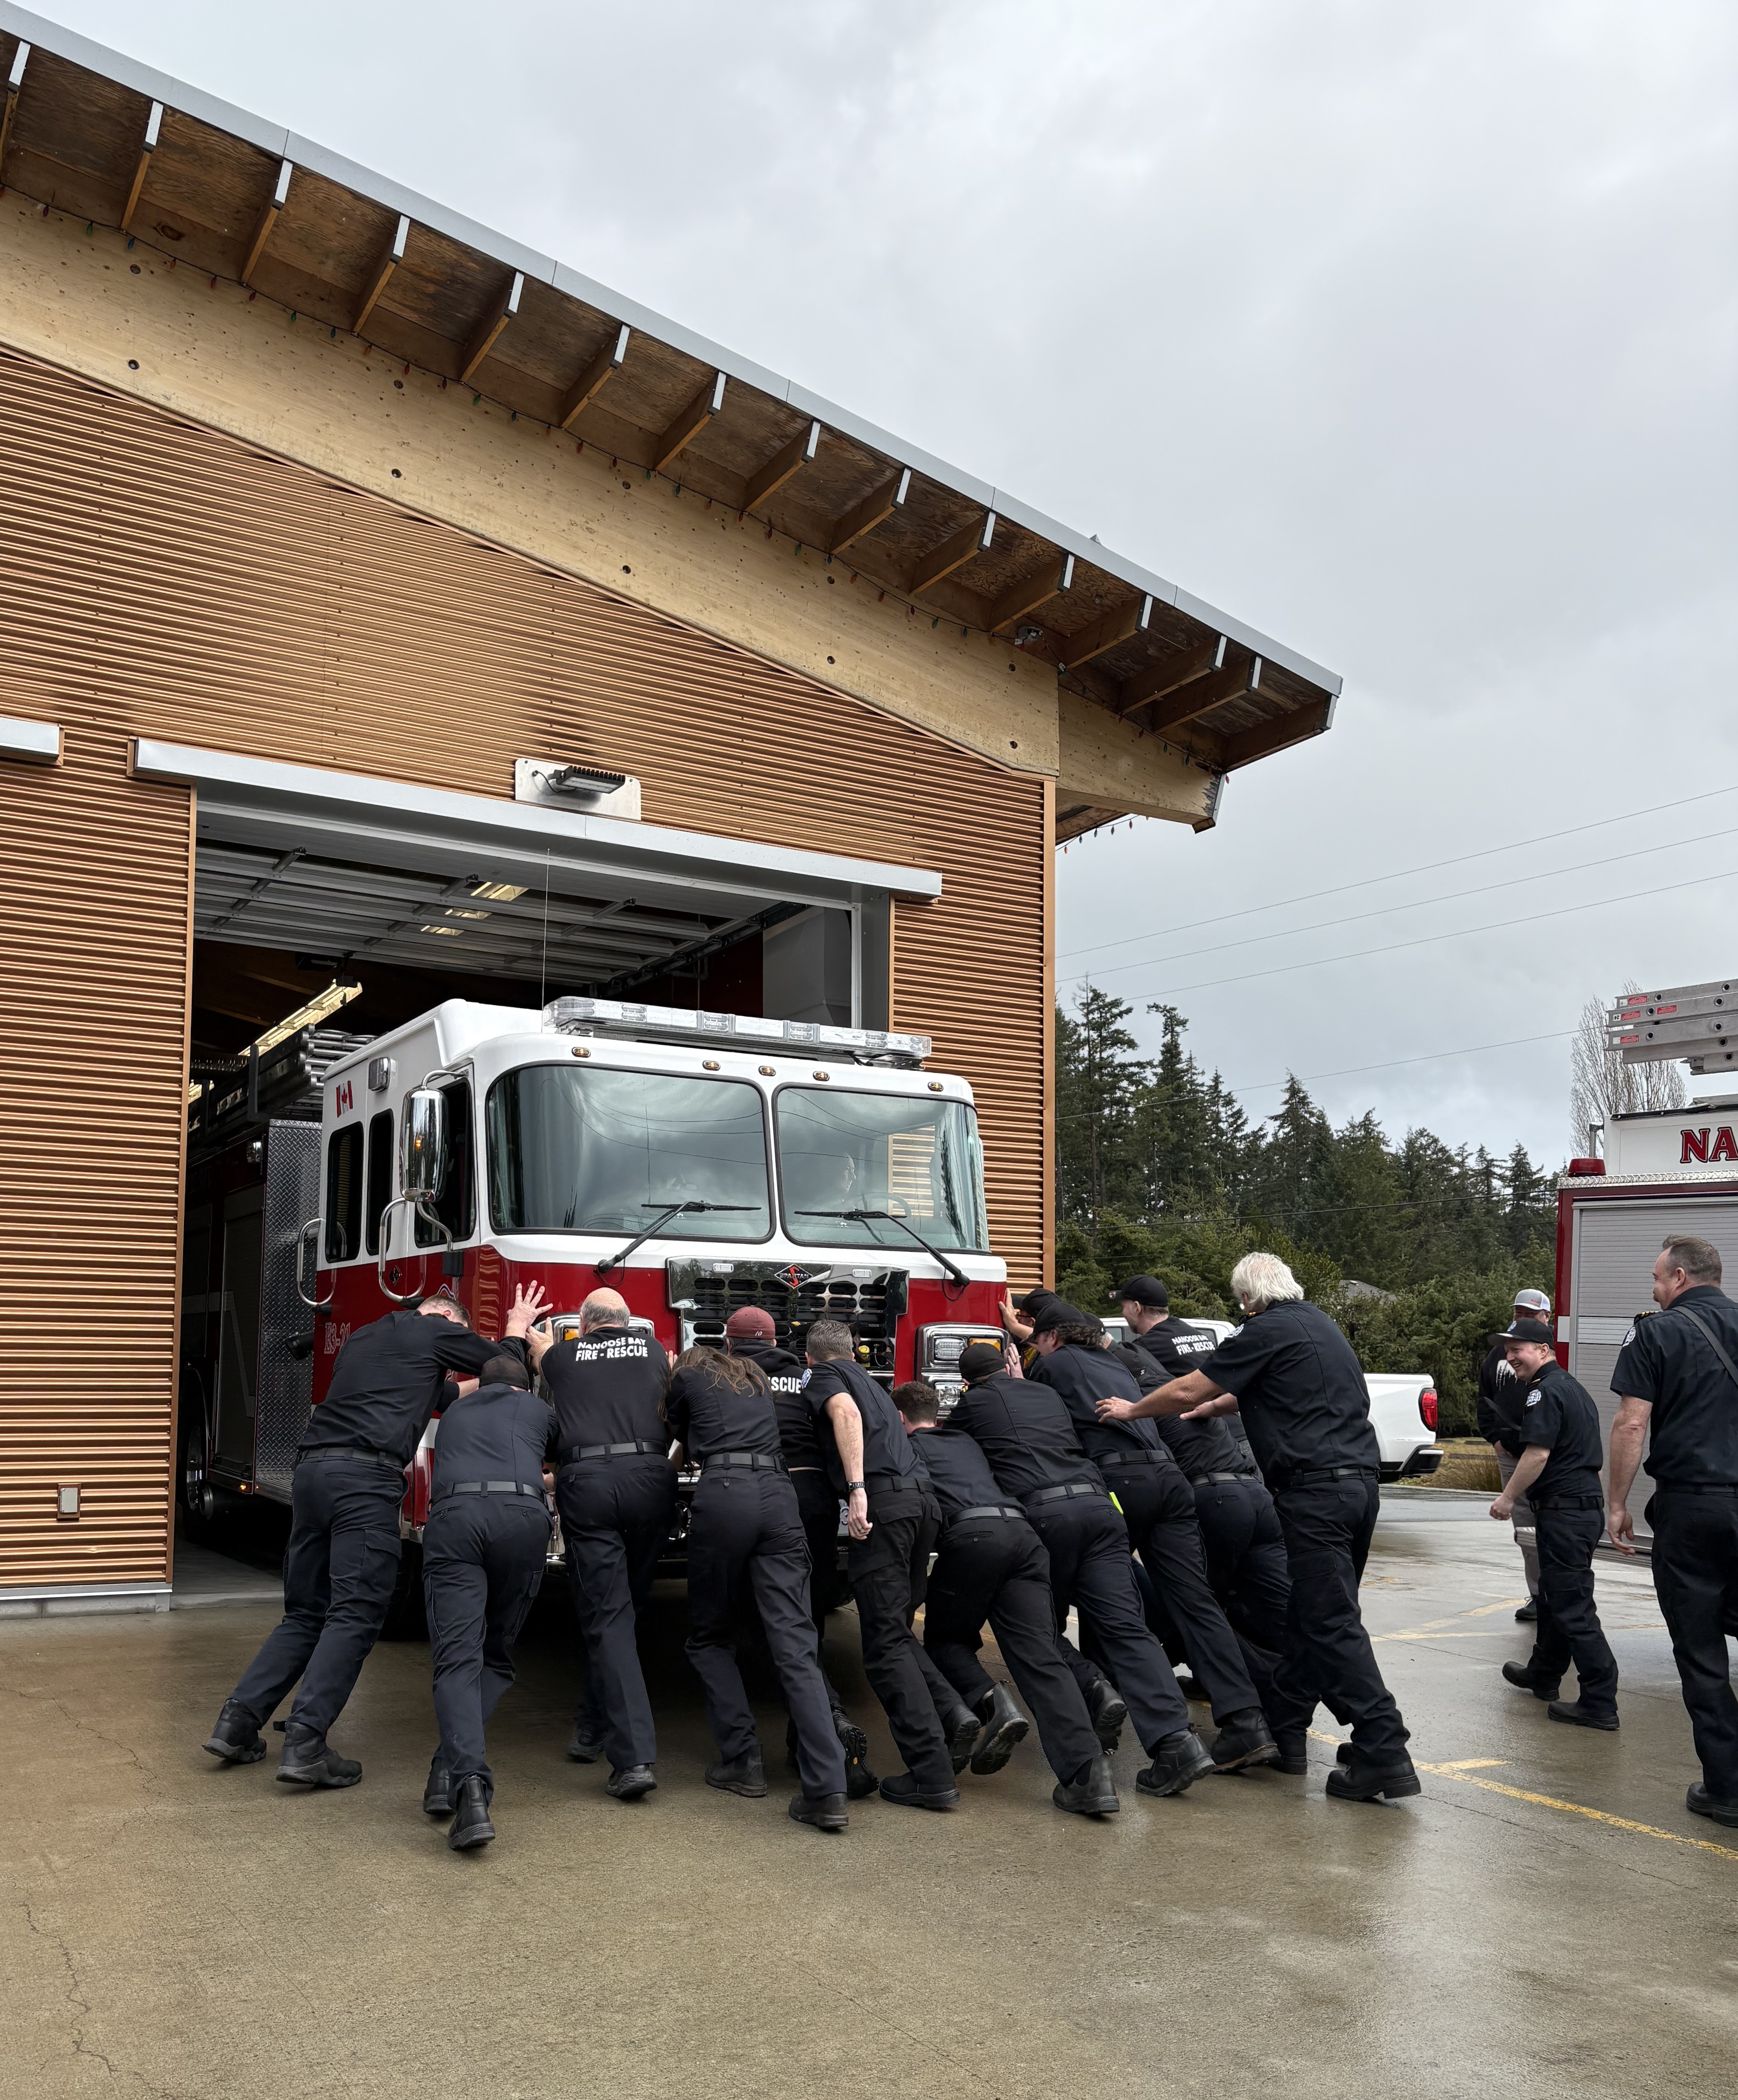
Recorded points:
(992,1566)
(870,1461)
(342,1559)
(1498,1402)
(1677,1381)
(1292,1375)
(484,1550)
(745,1538)
(616,1495)
(1558,1472)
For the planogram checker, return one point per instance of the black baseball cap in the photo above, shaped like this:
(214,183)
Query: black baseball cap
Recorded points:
(982,1360)
(1144,1290)
(1034,1301)
(1058,1312)
(1525,1331)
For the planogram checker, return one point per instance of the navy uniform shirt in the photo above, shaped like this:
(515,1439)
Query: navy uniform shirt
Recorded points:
(1160,1355)
(798,1437)
(1693,1440)
(1558,1412)
(958,1470)
(387,1381)
(1299,1389)
(1025,1431)
(1082,1377)
(1499,1401)
(499,1432)
(608,1388)
(887,1449)
(707,1412)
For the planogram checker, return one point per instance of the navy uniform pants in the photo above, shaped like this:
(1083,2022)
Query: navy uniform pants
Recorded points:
(745,1538)
(995,1568)
(338,1574)
(1695,1574)
(1328,1525)
(817,1511)
(1158,1508)
(1091,1572)
(483,1562)
(887,1571)
(616,1517)
(1569,1627)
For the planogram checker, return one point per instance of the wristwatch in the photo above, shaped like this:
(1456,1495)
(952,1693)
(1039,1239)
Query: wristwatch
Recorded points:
(853,1487)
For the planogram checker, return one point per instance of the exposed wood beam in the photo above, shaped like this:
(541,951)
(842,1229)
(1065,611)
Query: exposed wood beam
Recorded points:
(153,127)
(1030,593)
(1106,632)
(788,461)
(685,428)
(15,80)
(268,218)
(1169,674)
(383,276)
(593,380)
(1236,681)
(506,309)
(876,509)
(955,552)
(1261,740)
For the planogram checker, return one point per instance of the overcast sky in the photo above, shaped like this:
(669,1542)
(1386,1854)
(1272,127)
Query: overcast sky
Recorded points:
(1405,333)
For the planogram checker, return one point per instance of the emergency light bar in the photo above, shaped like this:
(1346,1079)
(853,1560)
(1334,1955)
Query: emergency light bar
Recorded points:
(1698,1023)
(574,1016)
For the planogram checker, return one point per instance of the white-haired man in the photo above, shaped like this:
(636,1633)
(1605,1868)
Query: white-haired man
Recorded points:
(1292,1375)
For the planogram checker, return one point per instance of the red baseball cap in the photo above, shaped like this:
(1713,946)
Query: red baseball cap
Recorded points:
(749,1323)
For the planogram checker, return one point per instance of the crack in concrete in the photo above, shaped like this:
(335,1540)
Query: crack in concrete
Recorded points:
(85,1728)
(80,2007)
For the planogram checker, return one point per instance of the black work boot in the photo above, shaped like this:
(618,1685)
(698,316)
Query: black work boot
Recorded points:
(1179,1760)
(904,1788)
(437,1796)
(1004,1726)
(628,1782)
(235,1736)
(308,1760)
(744,1776)
(860,1782)
(1292,1759)
(1245,1739)
(1528,1613)
(961,1729)
(1091,1791)
(822,1811)
(1580,1715)
(1700,1802)
(470,1820)
(1107,1711)
(1360,1779)
(584,1749)
(1524,1678)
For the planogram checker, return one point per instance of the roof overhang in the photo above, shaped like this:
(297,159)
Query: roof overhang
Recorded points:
(95,134)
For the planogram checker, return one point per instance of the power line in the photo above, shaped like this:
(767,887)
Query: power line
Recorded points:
(1464,932)
(1385,911)
(1485,853)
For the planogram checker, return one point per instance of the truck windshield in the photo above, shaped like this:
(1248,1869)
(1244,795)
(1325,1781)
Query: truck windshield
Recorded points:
(571,1150)
(919,1159)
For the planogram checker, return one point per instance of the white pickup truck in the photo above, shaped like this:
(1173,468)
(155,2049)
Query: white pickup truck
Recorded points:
(1402,1411)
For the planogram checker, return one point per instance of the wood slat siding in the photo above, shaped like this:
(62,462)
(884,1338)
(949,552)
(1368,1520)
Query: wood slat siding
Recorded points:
(158,578)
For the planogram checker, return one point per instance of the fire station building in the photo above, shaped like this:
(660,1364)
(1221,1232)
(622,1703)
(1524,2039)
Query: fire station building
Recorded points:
(389,613)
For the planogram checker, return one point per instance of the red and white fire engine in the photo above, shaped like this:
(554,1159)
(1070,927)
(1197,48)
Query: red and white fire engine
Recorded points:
(1644,1177)
(694,1162)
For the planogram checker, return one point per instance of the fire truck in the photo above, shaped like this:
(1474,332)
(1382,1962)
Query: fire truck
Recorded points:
(1644,1176)
(695,1162)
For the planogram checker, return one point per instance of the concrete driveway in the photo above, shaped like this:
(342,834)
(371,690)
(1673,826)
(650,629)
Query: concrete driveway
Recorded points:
(1547,1921)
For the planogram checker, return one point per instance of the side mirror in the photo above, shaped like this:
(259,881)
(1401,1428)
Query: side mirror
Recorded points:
(422,1143)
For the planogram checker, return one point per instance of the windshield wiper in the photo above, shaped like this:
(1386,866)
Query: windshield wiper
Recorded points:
(657,1225)
(862,1217)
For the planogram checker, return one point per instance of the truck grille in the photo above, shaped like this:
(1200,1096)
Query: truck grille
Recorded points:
(870,1302)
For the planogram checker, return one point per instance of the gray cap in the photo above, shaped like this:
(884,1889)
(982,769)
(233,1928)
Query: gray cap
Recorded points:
(1535,1301)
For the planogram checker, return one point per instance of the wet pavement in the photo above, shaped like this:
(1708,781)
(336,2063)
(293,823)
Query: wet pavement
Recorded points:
(1545,1921)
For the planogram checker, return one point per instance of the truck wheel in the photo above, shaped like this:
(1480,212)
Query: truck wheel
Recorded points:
(405,1618)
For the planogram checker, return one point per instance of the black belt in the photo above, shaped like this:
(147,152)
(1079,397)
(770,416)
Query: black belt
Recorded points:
(1135,1459)
(1696,1488)
(485,1487)
(893,1484)
(1213,1480)
(1309,1478)
(350,1451)
(986,1509)
(579,1451)
(1060,1494)
(760,1461)
(1567,1502)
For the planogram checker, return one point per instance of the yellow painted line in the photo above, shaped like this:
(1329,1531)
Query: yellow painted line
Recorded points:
(1469,1764)
(1458,1772)
(1479,1611)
